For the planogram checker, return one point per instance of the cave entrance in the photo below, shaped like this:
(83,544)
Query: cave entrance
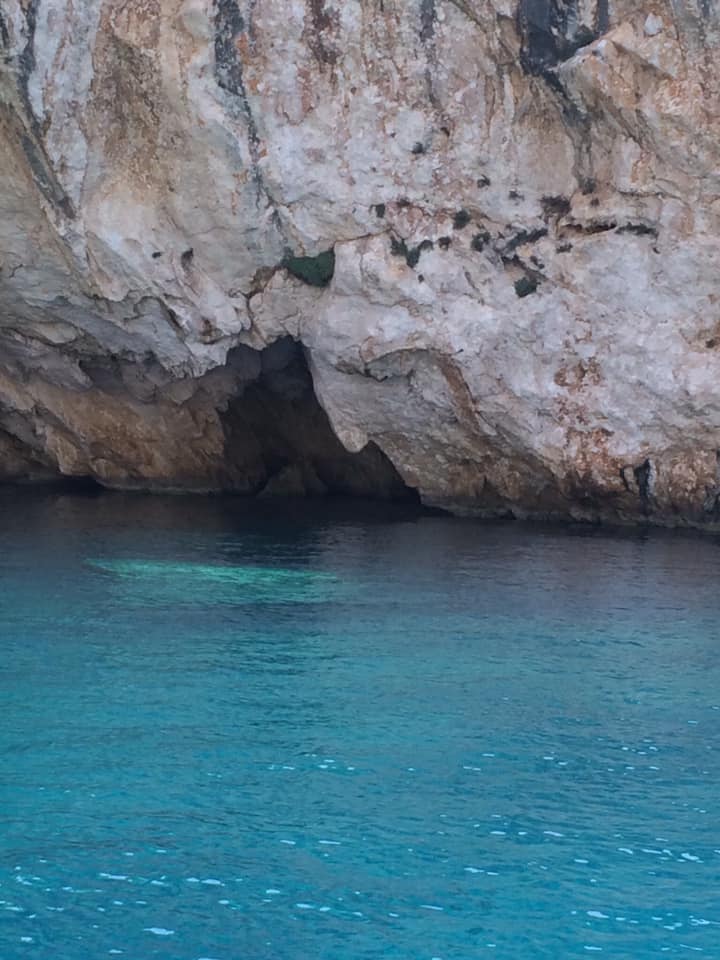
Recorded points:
(279,441)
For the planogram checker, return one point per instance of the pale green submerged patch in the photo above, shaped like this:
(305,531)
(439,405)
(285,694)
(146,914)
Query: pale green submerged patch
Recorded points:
(215,583)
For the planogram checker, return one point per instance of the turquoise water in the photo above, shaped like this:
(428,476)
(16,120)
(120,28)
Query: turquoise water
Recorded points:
(232,732)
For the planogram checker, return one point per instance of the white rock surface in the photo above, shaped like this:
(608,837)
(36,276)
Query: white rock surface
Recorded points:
(524,210)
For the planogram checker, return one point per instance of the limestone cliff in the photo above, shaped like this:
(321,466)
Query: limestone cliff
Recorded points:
(491,228)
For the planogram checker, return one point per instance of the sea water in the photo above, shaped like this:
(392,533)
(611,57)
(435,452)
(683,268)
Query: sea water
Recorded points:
(258,732)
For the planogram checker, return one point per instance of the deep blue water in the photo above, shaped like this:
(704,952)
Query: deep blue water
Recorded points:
(247,732)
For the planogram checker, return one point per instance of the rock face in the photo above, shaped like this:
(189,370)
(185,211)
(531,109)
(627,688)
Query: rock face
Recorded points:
(491,228)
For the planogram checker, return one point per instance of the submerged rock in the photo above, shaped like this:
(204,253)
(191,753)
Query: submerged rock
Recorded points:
(493,228)
(162,583)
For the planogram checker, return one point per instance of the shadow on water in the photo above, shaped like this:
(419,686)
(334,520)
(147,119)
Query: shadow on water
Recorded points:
(82,502)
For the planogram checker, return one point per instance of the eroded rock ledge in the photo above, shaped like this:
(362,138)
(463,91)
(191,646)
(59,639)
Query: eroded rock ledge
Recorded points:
(467,248)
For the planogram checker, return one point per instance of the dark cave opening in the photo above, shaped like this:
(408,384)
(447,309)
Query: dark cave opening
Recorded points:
(21,466)
(276,440)
(279,442)
(81,485)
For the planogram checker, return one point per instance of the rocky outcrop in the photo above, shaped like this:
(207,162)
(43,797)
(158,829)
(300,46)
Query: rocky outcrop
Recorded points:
(491,228)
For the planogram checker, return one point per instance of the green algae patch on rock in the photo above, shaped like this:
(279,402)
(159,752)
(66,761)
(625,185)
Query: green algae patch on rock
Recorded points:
(316,271)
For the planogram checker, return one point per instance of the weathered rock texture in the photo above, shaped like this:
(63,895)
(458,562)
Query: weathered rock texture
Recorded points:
(493,226)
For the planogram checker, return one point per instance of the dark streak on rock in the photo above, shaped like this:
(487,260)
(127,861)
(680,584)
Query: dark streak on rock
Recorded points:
(639,229)
(173,318)
(521,238)
(4,35)
(712,493)
(252,31)
(228,67)
(643,475)
(594,226)
(30,137)
(26,59)
(427,34)
(229,24)
(427,20)
(322,22)
(551,32)
(605,226)
(602,19)
(44,176)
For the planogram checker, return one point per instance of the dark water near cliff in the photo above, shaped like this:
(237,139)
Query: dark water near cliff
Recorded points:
(230,733)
